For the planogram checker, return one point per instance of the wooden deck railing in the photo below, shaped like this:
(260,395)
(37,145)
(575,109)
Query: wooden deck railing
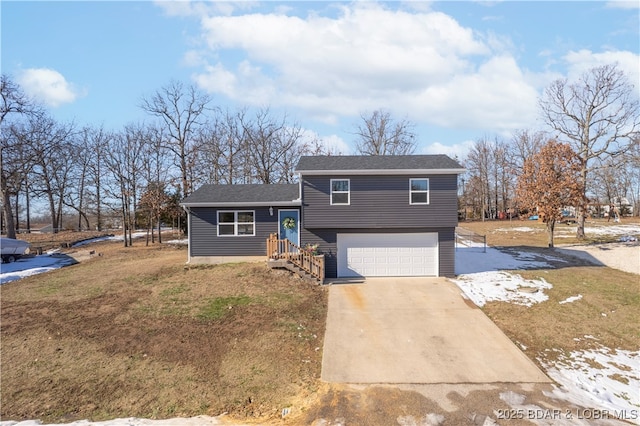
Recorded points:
(286,250)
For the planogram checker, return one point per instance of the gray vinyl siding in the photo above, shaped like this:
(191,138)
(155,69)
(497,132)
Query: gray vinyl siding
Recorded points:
(327,244)
(205,240)
(379,202)
(447,254)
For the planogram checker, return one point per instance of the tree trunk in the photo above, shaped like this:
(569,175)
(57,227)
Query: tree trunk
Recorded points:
(28,207)
(17,216)
(98,206)
(582,210)
(551,224)
(8,214)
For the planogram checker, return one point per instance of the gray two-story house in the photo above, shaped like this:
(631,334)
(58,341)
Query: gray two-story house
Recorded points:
(369,215)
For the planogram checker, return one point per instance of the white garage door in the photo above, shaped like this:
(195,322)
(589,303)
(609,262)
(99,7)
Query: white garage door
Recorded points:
(387,255)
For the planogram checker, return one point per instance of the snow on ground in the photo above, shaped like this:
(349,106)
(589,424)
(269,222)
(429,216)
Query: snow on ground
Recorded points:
(592,229)
(520,229)
(482,276)
(608,379)
(53,259)
(605,380)
(570,299)
(28,266)
(132,421)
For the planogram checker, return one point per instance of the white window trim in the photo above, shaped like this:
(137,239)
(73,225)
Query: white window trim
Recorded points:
(411,192)
(235,223)
(331,192)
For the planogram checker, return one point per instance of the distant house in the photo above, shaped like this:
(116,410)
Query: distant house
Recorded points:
(369,215)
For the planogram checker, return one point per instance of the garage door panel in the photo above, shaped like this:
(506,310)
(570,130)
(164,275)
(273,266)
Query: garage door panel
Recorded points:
(388,254)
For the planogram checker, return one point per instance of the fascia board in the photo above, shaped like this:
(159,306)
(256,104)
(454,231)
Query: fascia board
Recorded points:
(245,204)
(371,172)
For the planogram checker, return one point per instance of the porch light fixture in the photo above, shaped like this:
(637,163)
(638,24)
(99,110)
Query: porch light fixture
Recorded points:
(270,211)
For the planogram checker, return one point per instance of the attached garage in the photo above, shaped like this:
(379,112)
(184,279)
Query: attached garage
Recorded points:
(387,254)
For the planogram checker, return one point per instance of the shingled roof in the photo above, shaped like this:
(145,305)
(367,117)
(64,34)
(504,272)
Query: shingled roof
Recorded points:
(362,164)
(244,195)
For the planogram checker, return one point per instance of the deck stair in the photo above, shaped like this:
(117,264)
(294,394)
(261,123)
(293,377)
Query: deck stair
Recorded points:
(285,254)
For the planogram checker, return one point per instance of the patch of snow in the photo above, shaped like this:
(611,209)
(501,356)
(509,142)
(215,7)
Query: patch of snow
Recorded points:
(483,287)
(53,259)
(132,421)
(601,230)
(519,229)
(431,419)
(182,242)
(604,378)
(482,276)
(28,266)
(470,259)
(571,299)
(631,229)
(95,240)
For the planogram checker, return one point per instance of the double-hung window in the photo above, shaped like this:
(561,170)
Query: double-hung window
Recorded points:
(419,191)
(236,223)
(340,192)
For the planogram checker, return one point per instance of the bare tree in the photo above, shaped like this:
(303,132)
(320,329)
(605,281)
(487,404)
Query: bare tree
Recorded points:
(182,111)
(633,170)
(14,102)
(51,149)
(155,179)
(525,144)
(17,162)
(599,115)
(379,134)
(550,181)
(124,161)
(478,164)
(273,146)
(95,142)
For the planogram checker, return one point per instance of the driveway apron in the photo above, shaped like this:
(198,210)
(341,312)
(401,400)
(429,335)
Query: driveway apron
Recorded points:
(416,330)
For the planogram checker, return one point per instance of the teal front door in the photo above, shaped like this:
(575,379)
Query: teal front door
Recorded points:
(289,225)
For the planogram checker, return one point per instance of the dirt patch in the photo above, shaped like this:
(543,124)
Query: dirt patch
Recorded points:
(441,404)
(133,333)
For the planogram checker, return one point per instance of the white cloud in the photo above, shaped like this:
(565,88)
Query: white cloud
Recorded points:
(185,8)
(48,86)
(433,71)
(459,150)
(583,60)
(496,97)
(356,61)
(617,4)
(335,144)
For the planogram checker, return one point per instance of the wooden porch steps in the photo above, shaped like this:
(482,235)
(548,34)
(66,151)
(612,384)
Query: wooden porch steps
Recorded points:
(285,254)
(285,264)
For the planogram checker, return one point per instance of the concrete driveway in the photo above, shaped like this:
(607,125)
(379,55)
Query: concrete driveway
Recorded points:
(416,330)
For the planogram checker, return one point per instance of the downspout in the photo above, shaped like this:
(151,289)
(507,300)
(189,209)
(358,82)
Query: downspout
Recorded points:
(188,211)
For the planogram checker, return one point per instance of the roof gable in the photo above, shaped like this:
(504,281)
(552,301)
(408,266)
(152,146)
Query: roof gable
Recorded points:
(377,164)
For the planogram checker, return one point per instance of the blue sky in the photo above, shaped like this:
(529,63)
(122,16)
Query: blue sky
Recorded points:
(459,70)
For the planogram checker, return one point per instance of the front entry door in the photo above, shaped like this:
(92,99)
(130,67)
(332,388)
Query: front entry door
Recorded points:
(292,218)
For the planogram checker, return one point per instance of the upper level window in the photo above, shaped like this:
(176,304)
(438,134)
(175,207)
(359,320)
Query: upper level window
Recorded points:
(340,191)
(418,191)
(235,223)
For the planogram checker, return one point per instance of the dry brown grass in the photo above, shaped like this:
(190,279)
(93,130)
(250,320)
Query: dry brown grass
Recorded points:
(507,233)
(135,332)
(609,310)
